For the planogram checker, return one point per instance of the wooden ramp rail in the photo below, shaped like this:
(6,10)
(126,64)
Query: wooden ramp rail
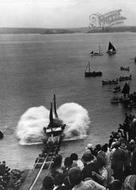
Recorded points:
(41,169)
(38,175)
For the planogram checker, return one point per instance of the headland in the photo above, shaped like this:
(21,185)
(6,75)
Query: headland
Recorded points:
(13,30)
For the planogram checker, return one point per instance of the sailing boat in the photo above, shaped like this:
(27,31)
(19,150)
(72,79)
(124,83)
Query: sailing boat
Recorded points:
(56,125)
(135,59)
(99,53)
(89,73)
(111,49)
(1,135)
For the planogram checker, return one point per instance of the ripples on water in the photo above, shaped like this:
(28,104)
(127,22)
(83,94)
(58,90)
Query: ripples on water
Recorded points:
(34,67)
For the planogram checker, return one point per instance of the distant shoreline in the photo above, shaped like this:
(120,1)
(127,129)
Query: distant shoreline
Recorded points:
(66,30)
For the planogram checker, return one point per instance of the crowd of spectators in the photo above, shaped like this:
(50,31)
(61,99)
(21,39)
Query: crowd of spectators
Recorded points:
(103,166)
(4,175)
(10,179)
(109,166)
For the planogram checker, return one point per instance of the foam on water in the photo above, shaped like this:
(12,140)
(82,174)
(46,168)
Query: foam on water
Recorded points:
(30,126)
(76,119)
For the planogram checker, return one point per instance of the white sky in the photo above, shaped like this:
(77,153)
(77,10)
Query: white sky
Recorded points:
(60,13)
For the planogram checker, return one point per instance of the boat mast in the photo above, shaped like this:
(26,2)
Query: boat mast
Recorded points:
(50,118)
(89,66)
(51,115)
(99,49)
(55,109)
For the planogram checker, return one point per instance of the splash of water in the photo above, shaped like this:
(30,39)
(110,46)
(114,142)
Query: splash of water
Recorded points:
(30,126)
(76,119)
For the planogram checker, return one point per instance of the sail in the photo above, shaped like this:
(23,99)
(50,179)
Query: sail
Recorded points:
(126,89)
(88,69)
(55,109)
(111,47)
(100,50)
(51,115)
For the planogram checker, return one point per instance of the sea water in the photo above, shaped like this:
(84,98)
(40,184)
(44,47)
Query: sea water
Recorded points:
(35,66)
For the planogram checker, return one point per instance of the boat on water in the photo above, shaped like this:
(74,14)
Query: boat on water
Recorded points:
(117,89)
(109,82)
(125,78)
(53,136)
(115,100)
(131,105)
(95,53)
(1,135)
(125,101)
(124,68)
(89,73)
(111,49)
(56,126)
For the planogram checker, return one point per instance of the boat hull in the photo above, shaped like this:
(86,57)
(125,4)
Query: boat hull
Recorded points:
(109,82)
(96,54)
(111,52)
(124,68)
(93,74)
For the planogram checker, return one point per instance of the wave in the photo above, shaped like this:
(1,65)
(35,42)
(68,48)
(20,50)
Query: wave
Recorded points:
(29,129)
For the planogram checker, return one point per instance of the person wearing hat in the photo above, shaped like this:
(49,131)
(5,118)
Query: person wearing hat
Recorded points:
(132,129)
(75,178)
(59,182)
(104,175)
(90,164)
(131,145)
(128,158)
(118,161)
(90,147)
(76,161)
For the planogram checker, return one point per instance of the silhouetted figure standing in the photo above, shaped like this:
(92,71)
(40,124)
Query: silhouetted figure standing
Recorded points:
(126,90)
(133,129)
(117,161)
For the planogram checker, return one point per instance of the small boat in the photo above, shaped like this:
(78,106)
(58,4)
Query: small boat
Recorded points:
(124,68)
(117,89)
(132,105)
(1,135)
(99,53)
(125,78)
(115,100)
(89,73)
(111,49)
(109,82)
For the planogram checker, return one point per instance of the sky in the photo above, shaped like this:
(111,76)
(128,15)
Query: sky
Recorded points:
(60,13)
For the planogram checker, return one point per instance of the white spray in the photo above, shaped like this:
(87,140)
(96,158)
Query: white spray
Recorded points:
(30,126)
(76,119)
